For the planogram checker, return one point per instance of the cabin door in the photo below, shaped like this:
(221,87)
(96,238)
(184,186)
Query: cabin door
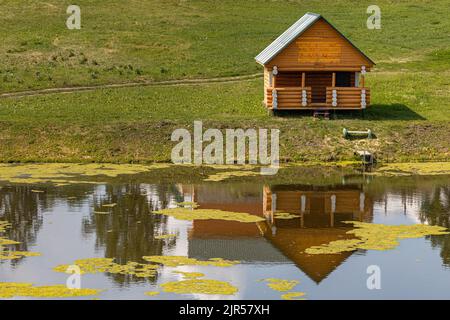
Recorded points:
(319,81)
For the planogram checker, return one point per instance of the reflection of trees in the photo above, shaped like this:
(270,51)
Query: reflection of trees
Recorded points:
(433,195)
(23,208)
(128,232)
(20,207)
(435,206)
(435,209)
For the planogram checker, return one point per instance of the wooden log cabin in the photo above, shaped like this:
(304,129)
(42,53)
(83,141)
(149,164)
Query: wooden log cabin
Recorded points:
(312,66)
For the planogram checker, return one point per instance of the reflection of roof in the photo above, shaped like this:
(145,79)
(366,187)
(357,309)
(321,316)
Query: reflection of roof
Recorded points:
(246,250)
(292,242)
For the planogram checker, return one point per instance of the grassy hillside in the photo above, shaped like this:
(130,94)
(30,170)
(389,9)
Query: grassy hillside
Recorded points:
(172,39)
(123,41)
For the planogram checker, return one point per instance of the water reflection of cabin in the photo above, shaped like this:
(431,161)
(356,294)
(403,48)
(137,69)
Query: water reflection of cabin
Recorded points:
(230,239)
(276,240)
(314,66)
(322,212)
(317,207)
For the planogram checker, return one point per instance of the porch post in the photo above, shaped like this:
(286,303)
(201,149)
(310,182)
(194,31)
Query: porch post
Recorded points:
(333,81)
(303,79)
(333,209)
(363,91)
(334,98)
(356,79)
(363,99)
(274,99)
(302,203)
(363,73)
(274,203)
(274,73)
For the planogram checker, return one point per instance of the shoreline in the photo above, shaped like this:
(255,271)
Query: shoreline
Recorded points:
(379,169)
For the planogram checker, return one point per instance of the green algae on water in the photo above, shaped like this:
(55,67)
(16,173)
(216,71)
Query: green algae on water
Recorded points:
(202,286)
(7,254)
(371,236)
(109,205)
(280,284)
(220,176)
(285,215)
(106,265)
(65,173)
(417,168)
(293,296)
(209,214)
(13,255)
(175,261)
(101,212)
(10,290)
(190,275)
(165,236)
(187,204)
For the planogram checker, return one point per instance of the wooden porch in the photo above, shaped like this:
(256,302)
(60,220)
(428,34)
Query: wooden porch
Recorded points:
(338,90)
(300,98)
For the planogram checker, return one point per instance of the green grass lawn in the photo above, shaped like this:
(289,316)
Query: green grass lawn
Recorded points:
(133,40)
(125,41)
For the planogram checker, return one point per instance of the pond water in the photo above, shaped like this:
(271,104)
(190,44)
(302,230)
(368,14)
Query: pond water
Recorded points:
(63,224)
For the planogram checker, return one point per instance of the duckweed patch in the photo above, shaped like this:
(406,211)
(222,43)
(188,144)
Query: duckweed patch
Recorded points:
(109,205)
(7,254)
(220,176)
(190,275)
(280,284)
(285,215)
(106,265)
(175,261)
(166,236)
(10,290)
(376,237)
(4,225)
(203,286)
(151,293)
(64,173)
(208,214)
(187,204)
(101,212)
(12,255)
(419,168)
(293,296)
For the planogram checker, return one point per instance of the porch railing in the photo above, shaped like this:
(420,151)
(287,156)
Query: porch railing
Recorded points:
(348,97)
(301,98)
(288,97)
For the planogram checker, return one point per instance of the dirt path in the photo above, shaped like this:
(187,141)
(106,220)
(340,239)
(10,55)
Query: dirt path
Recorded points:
(37,92)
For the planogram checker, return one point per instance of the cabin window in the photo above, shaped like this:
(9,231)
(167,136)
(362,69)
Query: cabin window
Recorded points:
(344,79)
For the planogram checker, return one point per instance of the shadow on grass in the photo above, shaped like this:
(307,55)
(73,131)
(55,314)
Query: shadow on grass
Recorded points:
(394,111)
